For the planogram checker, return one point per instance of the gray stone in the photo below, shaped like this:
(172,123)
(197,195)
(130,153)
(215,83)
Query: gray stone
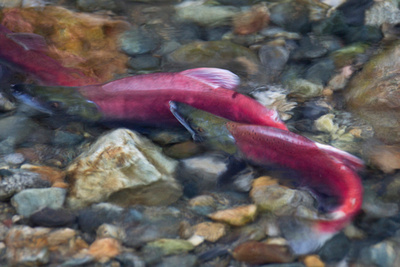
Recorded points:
(211,16)
(144,62)
(137,42)
(95,5)
(29,201)
(17,180)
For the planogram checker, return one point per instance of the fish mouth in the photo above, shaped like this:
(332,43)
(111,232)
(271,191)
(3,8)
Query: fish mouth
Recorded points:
(57,101)
(22,95)
(178,110)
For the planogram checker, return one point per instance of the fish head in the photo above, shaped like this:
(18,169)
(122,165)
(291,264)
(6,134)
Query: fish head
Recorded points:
(204,126)
(57,100)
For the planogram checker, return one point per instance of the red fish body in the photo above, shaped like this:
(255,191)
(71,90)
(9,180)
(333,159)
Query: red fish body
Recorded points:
(322,171)
(145,98)
(26,52)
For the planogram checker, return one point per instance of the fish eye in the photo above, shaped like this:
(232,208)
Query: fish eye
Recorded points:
(199,129)
(55,104)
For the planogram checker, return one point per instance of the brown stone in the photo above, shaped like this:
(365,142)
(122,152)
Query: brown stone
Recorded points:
(254,252)
(210,231)
(238,216)
(51,174)
(386,158)
(104,249)
(313,261)
(251,21)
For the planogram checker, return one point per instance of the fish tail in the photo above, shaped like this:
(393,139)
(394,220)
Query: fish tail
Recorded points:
(351,161)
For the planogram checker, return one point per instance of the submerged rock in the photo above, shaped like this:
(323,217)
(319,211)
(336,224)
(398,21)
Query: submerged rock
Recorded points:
(125,168)
(251,21)
(238,216)
(222,54)
(253,252)
(78,40)
(14,181)
(170,246)
(211,16)
(373,94)
(29,201)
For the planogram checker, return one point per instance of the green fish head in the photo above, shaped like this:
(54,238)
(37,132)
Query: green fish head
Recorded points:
(204,126)
(57,100)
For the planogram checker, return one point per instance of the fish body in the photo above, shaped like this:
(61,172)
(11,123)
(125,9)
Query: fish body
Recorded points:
(26,52)
(144,99)
(263,145)
(320,170)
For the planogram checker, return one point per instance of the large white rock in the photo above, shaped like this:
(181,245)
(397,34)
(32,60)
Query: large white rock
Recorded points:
(125,168)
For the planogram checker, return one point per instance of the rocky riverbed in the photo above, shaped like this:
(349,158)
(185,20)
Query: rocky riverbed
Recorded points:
(74,192)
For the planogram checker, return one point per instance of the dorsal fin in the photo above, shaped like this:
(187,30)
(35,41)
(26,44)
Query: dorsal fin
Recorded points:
(214,77)
(29,41)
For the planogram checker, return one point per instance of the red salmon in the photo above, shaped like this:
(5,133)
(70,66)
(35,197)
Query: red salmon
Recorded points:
(322,172)
(270,145)
(26,52)
(144,98)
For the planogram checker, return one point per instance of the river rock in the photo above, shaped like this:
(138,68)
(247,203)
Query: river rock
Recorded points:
(274,59)
(170,246)
(373,94)
(125,168)
(223,54)
(14,181)
(253,252)
(251,21)
(29,201)
(269,196)
(381,12)
(48,217)
(210,231)
(200,173)
(137,42)
(105,248)
(238,216)
(35,246)
(204,15)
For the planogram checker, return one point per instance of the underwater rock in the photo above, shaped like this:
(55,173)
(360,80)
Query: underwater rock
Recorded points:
(269,196)
(313,261)
(381,12)
(54,175)
(380,254)
(200,173)
(170,246)
(29,201)
(237,216)
(254,252)
(304,89)
(48,217)
(386,158)
(273,58)
(137,41)
(91,6)
(223,54)
(144,62)
(15,181)
(210,231)
(373,94)
(6,104)
(125,168)
(251,21)
(204,15)
(104,249)
(77,40)
(35,246)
